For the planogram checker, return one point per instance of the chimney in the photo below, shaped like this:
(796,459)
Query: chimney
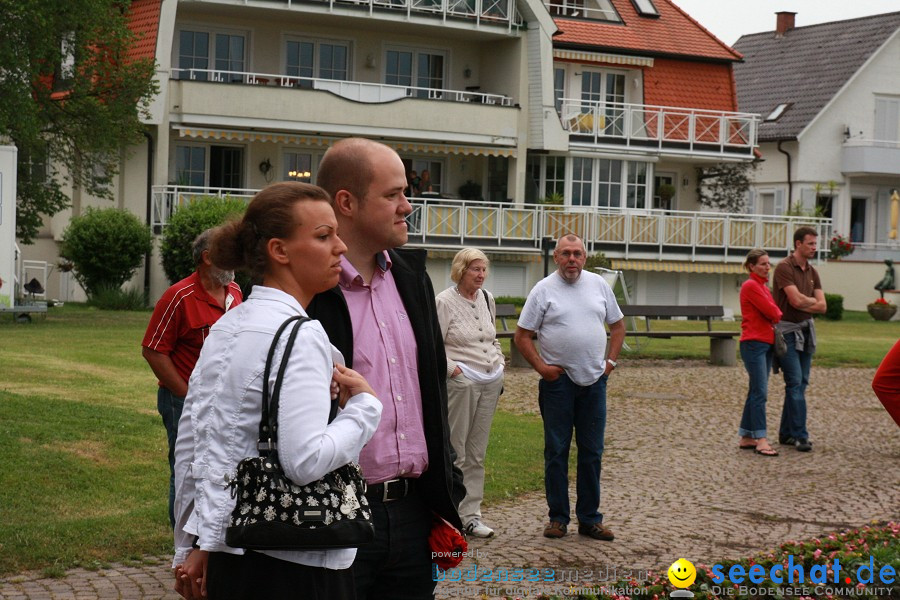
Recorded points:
(784,22)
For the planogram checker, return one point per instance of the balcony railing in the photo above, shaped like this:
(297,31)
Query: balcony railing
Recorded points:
(574,10)
(662,128)
(493,12)
(452,224)
(357,91)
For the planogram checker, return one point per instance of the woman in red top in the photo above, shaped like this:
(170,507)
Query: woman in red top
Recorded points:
(887,382)
(758,317)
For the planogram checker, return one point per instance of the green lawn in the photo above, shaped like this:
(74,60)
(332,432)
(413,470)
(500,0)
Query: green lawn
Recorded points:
(85,476)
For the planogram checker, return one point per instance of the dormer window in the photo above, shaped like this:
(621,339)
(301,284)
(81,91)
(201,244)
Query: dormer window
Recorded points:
(645,8)
(777,112)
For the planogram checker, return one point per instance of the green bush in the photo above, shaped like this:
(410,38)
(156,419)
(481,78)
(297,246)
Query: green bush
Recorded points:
(517,300)
(186,224)
(105,247)
(115,298)
(597,260)
(835,307)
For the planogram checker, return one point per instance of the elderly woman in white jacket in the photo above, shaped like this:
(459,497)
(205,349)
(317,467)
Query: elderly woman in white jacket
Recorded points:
(288,240)
(474,375)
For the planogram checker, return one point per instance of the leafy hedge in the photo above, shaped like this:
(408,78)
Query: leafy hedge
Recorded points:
(186,224)
(835,307)
(105,246)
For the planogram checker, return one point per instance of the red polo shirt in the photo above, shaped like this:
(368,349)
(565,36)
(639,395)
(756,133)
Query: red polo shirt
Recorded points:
(181,321)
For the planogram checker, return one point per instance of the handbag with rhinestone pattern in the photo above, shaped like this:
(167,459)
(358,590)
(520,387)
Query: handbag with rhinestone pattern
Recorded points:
(273,513)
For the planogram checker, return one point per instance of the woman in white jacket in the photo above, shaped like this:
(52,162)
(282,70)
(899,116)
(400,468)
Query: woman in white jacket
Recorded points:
(287,240)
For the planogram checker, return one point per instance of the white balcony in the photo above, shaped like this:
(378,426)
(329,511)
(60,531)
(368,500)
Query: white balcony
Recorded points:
(487,12)
(660,130)
(357,91)
(870,157)
(646,234)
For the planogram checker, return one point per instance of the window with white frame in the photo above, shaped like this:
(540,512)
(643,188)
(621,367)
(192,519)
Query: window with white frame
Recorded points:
(298,166)
(636,188)
(317,59)
(198,49)
(609,182)
(599,182)
(418,68)
(555,175)
(582,181)
(193,53)
(604,93)
(190,165)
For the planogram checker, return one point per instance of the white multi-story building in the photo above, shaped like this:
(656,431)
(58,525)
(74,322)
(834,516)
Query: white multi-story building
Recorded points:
(829,98)
(608,105)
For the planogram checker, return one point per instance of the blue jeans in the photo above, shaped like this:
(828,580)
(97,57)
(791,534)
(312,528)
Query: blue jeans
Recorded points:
(795,366)
(170,406)
(565,404)
(396,565)
(757,358)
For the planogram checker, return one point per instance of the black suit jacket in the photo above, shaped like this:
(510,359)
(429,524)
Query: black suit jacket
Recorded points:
(441,485)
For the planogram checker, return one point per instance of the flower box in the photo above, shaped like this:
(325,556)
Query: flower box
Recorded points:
(881,310)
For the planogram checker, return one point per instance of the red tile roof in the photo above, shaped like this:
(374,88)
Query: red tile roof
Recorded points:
(690,84)
(143,20)
(673,33)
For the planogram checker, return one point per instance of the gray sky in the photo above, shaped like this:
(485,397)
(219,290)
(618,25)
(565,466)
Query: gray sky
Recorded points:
(730,19)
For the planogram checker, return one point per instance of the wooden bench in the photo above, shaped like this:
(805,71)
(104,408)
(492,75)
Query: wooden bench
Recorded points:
(722,345)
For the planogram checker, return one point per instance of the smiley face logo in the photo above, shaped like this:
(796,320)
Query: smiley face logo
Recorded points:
(682,573)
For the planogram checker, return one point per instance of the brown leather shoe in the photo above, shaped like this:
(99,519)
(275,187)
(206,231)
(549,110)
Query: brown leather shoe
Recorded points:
(596,531)
(555,529)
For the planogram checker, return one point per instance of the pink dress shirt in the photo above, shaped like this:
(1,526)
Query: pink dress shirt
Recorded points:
(384,352)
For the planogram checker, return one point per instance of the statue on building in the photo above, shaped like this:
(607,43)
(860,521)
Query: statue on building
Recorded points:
(887,283)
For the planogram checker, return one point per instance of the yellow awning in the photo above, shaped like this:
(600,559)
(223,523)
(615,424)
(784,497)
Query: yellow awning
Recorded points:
(233,135)
(676,266)
(604,57)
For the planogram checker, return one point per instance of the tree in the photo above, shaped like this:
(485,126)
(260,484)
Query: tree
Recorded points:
(724,186)
(73,98)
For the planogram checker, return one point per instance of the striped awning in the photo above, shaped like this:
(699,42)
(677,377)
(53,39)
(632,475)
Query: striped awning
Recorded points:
(604,57)
(676,266)
(234,135)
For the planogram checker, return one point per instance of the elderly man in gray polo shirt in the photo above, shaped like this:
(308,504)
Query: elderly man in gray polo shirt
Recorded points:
(569,311)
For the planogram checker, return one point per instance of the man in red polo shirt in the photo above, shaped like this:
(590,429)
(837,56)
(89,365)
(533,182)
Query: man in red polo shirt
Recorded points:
(177,329)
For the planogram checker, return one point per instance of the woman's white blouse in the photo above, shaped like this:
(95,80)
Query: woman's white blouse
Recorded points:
(220,423)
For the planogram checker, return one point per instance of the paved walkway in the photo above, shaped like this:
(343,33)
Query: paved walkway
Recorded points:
(674,485)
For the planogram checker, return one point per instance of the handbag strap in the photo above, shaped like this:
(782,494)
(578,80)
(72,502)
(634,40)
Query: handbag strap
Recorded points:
(268,424)
(486,301)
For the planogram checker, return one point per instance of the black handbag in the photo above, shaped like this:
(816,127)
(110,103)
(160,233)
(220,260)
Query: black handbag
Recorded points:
(272,512)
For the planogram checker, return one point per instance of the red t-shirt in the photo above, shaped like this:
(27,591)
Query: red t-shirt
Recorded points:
(181,321)
(887,382)
(758,311)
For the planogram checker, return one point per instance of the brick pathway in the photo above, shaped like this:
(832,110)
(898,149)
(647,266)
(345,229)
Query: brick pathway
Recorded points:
(674,485)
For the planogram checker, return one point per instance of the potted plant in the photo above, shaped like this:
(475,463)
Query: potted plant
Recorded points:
(839,246)
(882,310)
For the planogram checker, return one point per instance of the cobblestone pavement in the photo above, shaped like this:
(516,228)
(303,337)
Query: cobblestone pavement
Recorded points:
(674,484)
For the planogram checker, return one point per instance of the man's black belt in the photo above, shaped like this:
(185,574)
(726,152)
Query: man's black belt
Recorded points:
(388,491)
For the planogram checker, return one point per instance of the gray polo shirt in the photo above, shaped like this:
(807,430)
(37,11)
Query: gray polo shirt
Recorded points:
(570,320)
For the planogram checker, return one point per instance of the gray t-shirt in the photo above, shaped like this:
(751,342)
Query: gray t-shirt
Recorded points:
(570,319)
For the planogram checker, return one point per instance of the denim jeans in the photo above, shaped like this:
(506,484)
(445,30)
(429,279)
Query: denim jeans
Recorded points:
(396,565)
(795,366)
(170,406)
(757,358)
(565,404)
